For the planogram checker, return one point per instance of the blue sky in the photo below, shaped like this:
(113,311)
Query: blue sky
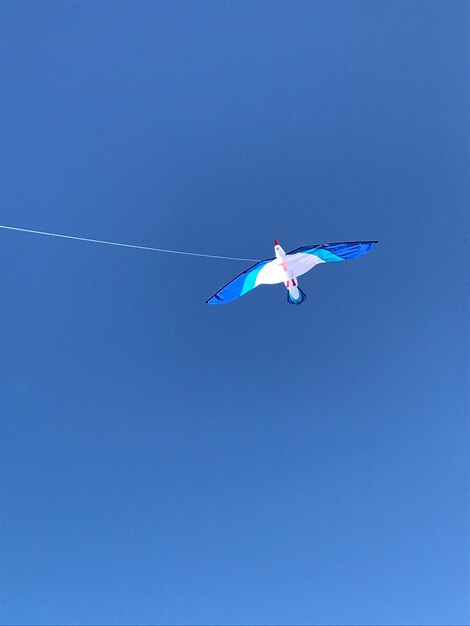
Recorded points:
(163,461)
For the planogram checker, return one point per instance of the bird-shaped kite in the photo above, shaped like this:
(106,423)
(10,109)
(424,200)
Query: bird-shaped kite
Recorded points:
(287,267)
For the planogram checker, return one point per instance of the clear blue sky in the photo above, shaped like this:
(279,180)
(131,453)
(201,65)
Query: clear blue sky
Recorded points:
(163,461)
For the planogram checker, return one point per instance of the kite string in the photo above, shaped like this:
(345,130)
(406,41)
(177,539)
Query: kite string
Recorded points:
(125,245)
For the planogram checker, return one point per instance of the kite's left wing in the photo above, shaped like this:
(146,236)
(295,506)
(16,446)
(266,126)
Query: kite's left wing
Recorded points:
(301,260)
(267,272)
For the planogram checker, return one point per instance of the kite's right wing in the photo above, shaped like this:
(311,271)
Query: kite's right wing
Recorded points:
(301,260)
(267,272)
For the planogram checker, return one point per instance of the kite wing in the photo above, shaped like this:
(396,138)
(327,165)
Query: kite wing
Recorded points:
(267,272)
(301,260)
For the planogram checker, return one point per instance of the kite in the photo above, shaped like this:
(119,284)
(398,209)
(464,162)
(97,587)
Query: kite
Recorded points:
(284,268)
(287,267)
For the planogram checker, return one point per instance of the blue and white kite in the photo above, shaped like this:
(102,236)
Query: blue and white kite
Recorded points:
(284,268)
(287,267)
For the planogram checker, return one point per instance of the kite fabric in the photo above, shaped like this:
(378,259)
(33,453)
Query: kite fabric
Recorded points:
(287,267)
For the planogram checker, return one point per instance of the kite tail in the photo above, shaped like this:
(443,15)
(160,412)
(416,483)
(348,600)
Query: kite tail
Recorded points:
(302,297)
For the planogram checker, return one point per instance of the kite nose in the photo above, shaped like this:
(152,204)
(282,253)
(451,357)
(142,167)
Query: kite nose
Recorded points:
(276,242)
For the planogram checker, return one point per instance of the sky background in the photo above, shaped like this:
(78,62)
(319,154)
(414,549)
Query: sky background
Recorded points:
(162,461)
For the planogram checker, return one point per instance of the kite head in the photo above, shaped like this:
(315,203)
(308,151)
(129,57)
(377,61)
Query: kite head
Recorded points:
(279,252)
